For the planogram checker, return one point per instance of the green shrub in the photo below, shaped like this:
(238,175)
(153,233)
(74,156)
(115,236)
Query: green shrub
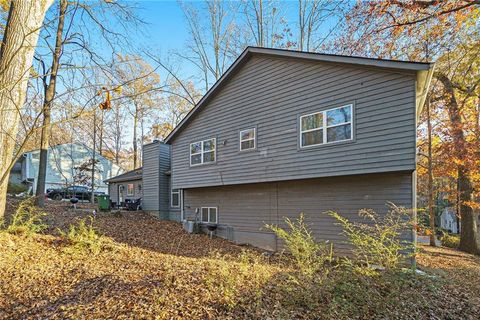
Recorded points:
(234,281)
(309,255)
(84,236)
(16,188)
(27,219)
(450,240)
(378,242)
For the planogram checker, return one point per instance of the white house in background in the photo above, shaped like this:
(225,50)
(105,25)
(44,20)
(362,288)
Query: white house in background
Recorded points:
(449,221)
(63,169)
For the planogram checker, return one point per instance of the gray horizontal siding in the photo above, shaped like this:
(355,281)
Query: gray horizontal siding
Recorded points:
(156,193)
(248,207)
(164,181)
(113,190)
(150,176)
(270,94)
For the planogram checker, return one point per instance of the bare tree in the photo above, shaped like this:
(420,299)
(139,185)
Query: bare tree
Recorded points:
(20,39)
(209,48)
(174,108)
(265,23)
(140,94)
(49,96)
(312,14)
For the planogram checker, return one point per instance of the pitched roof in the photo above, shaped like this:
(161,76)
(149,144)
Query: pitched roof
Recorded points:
(423,70)
(127,176)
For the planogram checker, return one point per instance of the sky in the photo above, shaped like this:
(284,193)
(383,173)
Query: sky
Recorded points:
(164,32)
(165,29)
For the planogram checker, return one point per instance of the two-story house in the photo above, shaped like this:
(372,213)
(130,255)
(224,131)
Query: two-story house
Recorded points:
(285,132)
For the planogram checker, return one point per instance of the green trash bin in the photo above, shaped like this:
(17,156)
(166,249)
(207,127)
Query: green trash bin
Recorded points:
(103,202)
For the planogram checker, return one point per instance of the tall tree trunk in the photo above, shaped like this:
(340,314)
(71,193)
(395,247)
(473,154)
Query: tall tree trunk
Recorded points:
(142,139)
(118,135)
(301,21)
(19,41)
(135,146)
(92,195)
(100,146)
(47,106)
(468,233)
(259,13)
(430,176)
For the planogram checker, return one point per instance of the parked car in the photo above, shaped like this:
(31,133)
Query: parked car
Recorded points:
(79,192)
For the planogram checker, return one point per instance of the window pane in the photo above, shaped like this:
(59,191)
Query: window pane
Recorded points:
(245,145)
(213,215)
(339,133)
(312,137)
(175,200)
(205,214)
(209,145)
(196,159)
(196,147)
(340,115)
(312,121)
(247,134)
(209,156)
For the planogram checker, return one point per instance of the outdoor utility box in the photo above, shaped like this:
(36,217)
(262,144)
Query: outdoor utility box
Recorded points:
(190,226)
(103,202)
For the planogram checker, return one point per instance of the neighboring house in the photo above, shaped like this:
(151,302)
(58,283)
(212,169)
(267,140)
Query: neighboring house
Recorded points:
(285,132)
(64,167)
(151,183)
(128,185)
(449,221)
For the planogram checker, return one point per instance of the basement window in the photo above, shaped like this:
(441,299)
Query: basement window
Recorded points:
(202,152)
(209,215)
(175,203)
(326,126)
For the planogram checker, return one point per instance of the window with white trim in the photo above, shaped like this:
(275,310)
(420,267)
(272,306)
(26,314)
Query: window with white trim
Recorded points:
(130,189)
(175,199)
(247,139)
(209,215)
(202,152)
(327,126)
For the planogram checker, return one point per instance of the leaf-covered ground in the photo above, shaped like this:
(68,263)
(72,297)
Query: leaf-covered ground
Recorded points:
(152,269)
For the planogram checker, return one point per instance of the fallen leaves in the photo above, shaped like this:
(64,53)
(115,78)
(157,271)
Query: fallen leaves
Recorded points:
(155,270)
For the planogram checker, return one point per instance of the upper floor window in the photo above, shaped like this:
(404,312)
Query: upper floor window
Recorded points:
(327,126)
(247,139)
(175,198)
(202,152)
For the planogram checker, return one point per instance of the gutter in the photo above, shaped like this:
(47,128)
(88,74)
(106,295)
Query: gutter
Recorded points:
(423,81)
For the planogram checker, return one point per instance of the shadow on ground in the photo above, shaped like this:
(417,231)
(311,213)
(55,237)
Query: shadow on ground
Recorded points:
(135,228)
